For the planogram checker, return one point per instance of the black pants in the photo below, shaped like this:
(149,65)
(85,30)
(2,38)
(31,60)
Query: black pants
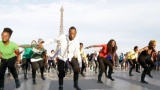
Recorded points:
(101,62)
(61,70)
(147,64)
(158,61)
(35,66)
(96,62)
(25,65)
(107,66)
(133,62)
(51,64)
(10,63)
(83,66)
(91,64)
(67,67)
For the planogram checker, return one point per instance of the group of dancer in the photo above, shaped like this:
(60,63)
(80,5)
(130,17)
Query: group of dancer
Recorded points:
(143,56)
(145,59)
(70,51)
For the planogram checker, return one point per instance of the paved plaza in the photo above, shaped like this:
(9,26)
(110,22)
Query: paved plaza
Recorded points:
(122,82)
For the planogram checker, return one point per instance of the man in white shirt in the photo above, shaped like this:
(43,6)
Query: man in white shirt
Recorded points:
(69,50)
(132,59)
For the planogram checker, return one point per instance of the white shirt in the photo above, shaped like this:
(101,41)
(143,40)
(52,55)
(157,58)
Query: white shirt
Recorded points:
(50,56)
(96,53)
(69,49)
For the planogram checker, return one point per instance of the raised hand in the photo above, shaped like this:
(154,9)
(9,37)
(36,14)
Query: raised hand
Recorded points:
(86,47)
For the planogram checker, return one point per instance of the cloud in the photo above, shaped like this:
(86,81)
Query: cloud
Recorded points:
(13,1)
(130,23)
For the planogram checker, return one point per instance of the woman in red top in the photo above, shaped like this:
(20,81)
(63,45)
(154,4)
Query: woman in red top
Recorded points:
(107,49)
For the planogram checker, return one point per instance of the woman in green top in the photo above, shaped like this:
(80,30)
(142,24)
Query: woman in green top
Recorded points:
(26,59)
(38,58)
(8,52)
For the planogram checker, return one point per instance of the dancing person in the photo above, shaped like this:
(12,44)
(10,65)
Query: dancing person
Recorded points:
(51,61)
(38,59)
(132,59)
(9,54)
(146,57)
(84,58)
(26,59)
(69,51)
(108,49)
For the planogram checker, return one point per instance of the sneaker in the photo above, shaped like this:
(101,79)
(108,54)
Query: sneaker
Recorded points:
(144,82)
(77,87)
(34,81)
(17,83)
(82,74)
(130,75)
(99,81)
(150,75)
(111,78)
(138,71)
(60,88)
(43,78)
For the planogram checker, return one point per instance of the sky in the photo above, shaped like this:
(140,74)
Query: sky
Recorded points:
(129,22)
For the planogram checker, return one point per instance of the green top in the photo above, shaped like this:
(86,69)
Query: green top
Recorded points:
(8,51)
(37,53)
(27,53)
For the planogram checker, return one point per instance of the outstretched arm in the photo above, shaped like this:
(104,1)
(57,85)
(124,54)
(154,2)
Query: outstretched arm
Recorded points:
(92,46)
(139,51)
(143,49)
(25,46)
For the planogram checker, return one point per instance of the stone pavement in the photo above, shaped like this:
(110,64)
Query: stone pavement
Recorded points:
(122,82)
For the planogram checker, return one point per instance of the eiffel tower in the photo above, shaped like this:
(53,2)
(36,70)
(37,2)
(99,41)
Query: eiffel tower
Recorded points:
(61,26)
(61,21)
